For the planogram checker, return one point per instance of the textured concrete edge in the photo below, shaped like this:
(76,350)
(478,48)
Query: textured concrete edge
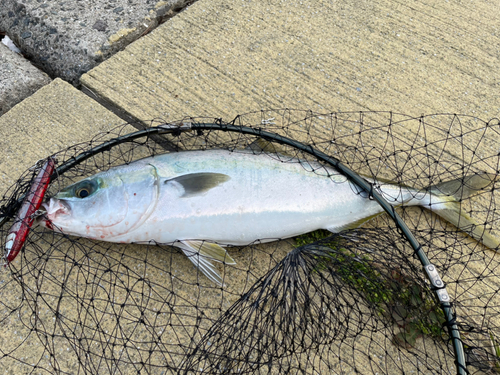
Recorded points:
(45,41)
(18,79)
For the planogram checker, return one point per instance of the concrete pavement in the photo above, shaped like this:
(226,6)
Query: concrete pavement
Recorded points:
(220,58)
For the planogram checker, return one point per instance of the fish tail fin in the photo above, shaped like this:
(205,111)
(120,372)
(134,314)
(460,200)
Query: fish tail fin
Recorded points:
(201,253)
(451,193)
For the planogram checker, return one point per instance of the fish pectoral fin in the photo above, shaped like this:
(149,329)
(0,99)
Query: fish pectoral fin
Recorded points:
(352,225)
(201,253)
(198,183)
(210,250)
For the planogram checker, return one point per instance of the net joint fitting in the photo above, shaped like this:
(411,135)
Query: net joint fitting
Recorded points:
(437,283)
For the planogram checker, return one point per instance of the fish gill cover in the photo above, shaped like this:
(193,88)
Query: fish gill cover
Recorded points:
(358,301)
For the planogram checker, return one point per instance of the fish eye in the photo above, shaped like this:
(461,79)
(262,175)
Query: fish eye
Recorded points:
(82,193)
(85,189)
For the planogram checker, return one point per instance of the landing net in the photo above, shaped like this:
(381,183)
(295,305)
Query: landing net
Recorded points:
(358,301)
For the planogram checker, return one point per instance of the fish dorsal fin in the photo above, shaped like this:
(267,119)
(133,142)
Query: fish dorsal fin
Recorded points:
(201,253)
(198,183)
(261,145)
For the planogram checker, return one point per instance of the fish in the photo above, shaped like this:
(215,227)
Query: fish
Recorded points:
(203,201)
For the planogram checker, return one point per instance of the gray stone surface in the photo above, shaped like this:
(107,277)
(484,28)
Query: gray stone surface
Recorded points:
(68,38)
(18,79)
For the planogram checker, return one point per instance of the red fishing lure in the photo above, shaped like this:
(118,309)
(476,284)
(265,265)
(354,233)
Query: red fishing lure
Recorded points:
(24,219)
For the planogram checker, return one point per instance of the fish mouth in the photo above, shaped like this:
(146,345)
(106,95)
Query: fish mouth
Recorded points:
(50,211)
(53,209)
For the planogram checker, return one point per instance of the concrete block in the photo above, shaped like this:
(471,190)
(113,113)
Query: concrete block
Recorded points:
(69,38)
(222,59)
(18,78)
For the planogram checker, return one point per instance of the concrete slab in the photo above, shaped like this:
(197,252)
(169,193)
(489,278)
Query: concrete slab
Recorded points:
(55,117)
(222,59)
(18,78)
(68,38)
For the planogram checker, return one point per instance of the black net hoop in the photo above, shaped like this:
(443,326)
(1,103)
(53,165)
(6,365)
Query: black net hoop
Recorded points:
(407,292)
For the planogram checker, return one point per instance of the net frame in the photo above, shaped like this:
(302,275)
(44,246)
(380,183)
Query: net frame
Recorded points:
(185,126)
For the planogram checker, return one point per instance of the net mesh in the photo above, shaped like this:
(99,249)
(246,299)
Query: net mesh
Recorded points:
(353,302)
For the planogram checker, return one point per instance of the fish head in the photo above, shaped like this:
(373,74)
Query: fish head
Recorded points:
(104,206)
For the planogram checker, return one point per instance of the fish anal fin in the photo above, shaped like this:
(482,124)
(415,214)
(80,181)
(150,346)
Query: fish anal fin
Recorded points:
(352,225)
(198,183)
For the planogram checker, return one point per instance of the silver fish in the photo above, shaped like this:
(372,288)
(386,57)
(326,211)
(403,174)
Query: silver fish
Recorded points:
(201,201)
